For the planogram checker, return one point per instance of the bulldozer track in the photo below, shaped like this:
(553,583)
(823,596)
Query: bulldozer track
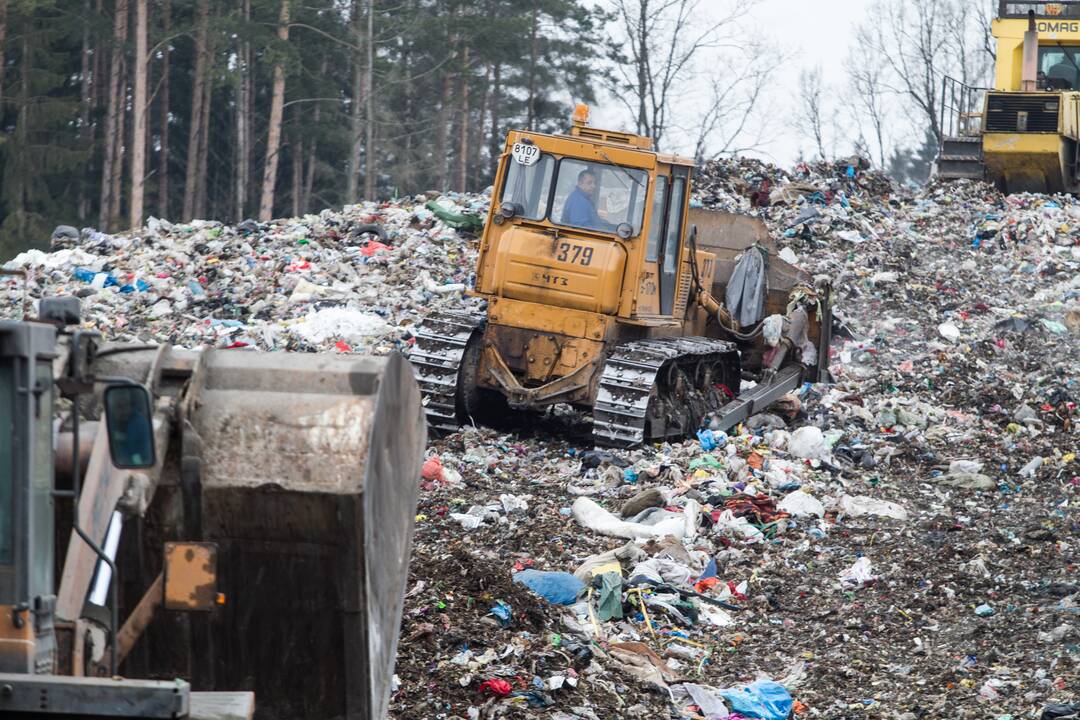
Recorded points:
(436,358)
(630,390)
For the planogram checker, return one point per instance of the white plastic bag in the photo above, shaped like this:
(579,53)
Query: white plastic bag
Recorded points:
(801,503)
(859,505)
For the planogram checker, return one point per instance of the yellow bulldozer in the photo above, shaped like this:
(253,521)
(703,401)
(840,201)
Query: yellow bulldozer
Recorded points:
(1023,134)
(607,291)
(233,528)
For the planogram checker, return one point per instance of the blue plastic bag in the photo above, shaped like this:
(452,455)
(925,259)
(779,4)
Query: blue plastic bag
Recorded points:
(708,440)
(763,699)
(560,588)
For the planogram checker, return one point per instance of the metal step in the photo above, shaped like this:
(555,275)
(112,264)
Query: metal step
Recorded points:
(962,147)
(958,172)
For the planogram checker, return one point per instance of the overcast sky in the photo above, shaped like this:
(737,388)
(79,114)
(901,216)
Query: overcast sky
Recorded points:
(815,34)
(820,34)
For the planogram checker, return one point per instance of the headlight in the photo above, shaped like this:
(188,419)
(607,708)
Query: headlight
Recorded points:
(624,230)
(509,210)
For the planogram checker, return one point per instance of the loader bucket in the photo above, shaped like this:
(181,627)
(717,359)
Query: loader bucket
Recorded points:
(304,470)
(309,472)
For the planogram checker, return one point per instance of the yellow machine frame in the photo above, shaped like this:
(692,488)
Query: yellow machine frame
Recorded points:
(1030,134)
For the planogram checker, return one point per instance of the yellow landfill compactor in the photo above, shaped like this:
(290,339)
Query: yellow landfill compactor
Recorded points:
(605,290)
(234,527)
(1027,137)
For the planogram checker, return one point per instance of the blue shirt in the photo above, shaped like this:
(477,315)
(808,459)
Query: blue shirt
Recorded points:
(579,211)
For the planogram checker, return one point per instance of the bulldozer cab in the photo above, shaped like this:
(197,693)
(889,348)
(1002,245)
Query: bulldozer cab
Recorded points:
(591,221)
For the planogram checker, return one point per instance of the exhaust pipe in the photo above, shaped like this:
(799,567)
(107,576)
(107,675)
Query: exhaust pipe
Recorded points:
(1029,68)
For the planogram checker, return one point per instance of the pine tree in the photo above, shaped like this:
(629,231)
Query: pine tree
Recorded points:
(40,152)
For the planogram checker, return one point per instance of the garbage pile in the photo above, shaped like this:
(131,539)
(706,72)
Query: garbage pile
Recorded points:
(355,280)
(901,543)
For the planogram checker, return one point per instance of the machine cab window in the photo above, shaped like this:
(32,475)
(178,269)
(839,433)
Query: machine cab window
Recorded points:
(527,188)
(587,195)
(595,196)
(1058,68)
(656,221)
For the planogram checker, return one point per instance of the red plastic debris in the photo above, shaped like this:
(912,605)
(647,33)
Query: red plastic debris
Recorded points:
(342,346)
(432,469)
(495,686)
(373,247)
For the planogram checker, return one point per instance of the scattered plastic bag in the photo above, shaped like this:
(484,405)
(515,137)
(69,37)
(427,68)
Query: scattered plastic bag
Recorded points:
(763,699)
(592,516)
(559,588)
(859,505)
(801,503)
(808,443)
(858,575)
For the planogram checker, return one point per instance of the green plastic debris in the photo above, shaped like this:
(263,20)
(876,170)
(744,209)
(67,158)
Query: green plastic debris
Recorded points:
(706,461)
(458,221)
(610,603)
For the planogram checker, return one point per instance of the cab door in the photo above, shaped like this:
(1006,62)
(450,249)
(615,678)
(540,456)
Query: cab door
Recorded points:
(671,242)
(648,296)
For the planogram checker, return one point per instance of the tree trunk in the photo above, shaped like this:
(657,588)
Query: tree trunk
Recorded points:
(496,142)
(202,32)
(163,152)
(312,157)
(202,170)
(463,124)
(406,168)
(18,195)
(356,112)
(82,206)
(530,119)
(138,136)
(642,69)
(273,136)
(369,105)
(3,38)
(476,139)
(242,160)
(441,131)
(114,105)
(297,174)
(121,138)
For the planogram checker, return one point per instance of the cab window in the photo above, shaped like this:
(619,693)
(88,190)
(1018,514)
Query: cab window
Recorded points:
(671,244)
(656,219)
(529,186)
(1058,68)
(597,196)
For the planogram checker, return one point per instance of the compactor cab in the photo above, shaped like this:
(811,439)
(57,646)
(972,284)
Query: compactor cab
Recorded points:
(601,294)
(1023,133)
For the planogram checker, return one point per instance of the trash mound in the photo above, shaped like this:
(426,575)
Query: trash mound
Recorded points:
(355,280)
(742,184)
(900,543)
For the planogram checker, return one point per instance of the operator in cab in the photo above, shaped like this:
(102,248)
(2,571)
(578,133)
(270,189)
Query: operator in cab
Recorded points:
(580,209)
